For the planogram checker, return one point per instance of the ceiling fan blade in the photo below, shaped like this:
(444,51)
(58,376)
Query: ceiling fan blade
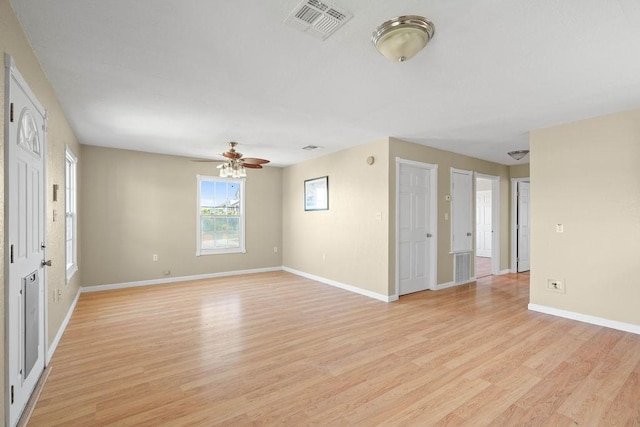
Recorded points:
(254,161)
(232,155)
(252,166)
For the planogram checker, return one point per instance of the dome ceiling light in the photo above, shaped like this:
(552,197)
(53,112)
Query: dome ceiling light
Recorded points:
(519,154)
(401,38)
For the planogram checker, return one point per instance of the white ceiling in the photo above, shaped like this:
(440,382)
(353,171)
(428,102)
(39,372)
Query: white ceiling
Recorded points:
(185,76)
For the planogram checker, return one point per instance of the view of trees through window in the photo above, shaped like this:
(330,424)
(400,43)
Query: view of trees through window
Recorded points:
(220,214)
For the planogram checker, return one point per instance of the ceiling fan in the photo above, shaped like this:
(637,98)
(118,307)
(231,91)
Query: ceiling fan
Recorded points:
(235,166)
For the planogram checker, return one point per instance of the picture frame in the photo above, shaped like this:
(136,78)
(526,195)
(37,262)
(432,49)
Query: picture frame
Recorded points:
(316,194)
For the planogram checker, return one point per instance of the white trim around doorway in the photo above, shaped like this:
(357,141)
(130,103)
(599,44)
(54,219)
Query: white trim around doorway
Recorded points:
(495,221)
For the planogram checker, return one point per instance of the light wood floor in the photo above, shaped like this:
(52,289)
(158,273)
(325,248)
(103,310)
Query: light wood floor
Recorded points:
(483,266)
(275,348)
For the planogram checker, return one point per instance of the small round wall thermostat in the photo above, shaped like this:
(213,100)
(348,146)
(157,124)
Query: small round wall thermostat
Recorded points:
(370,160)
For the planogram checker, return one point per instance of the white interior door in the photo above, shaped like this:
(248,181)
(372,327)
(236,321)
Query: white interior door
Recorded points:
(416,229)
(25,241)
(523,227)
(484,229)
(461,211)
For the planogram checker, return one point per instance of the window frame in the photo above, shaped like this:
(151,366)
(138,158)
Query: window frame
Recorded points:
(71,210)
(242,216)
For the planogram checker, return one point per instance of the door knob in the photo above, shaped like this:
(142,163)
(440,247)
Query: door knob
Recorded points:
(47,263)
(468,234)
(429,235)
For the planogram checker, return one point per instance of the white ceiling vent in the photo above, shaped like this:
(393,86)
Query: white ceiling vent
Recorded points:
(317,18)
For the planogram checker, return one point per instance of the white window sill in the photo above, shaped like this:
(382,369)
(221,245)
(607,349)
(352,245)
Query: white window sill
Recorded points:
(221,251)
(70,272)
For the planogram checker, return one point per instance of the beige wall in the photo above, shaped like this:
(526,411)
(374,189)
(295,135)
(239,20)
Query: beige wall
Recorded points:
(358,249)
(445,161)
(353,241)
(14,42)
(138,204)
(585,175)
(519,171)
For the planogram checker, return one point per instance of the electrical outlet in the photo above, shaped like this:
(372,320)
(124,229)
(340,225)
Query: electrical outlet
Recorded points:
(155,257)
(275,249)
(555,285)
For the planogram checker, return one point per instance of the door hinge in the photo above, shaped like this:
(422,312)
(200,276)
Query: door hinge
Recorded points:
(517,259)
(11,113)
(12,395)
(11,254)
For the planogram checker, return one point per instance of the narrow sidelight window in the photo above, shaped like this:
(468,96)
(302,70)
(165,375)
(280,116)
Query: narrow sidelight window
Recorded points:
(71,213)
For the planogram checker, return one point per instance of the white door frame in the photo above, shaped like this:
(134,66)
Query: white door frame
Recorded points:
(433,220)
(495,221)
(514,221)
(12,73)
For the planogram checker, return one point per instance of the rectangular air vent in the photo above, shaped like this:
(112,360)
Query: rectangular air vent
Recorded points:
(311,147)
(462,267)
(317,18)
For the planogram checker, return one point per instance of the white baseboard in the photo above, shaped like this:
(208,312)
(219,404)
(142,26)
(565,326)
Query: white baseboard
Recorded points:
(355,289)
(613,324)
(168,280)
(63,326)
(506,271)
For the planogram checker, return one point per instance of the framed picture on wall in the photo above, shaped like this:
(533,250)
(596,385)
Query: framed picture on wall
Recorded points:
(316,194)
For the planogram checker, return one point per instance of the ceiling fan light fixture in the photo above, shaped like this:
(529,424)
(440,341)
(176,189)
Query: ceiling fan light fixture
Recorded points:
(518,154)
(235,165)
(401,38)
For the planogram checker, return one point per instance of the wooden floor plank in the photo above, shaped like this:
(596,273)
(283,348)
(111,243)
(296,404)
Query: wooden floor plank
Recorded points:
(278,349)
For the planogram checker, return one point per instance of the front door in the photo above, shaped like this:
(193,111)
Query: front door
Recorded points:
(523,226)
(415,229)
(25,240)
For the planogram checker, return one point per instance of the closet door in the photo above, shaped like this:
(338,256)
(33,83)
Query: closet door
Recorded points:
(461,211)
(523,227)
